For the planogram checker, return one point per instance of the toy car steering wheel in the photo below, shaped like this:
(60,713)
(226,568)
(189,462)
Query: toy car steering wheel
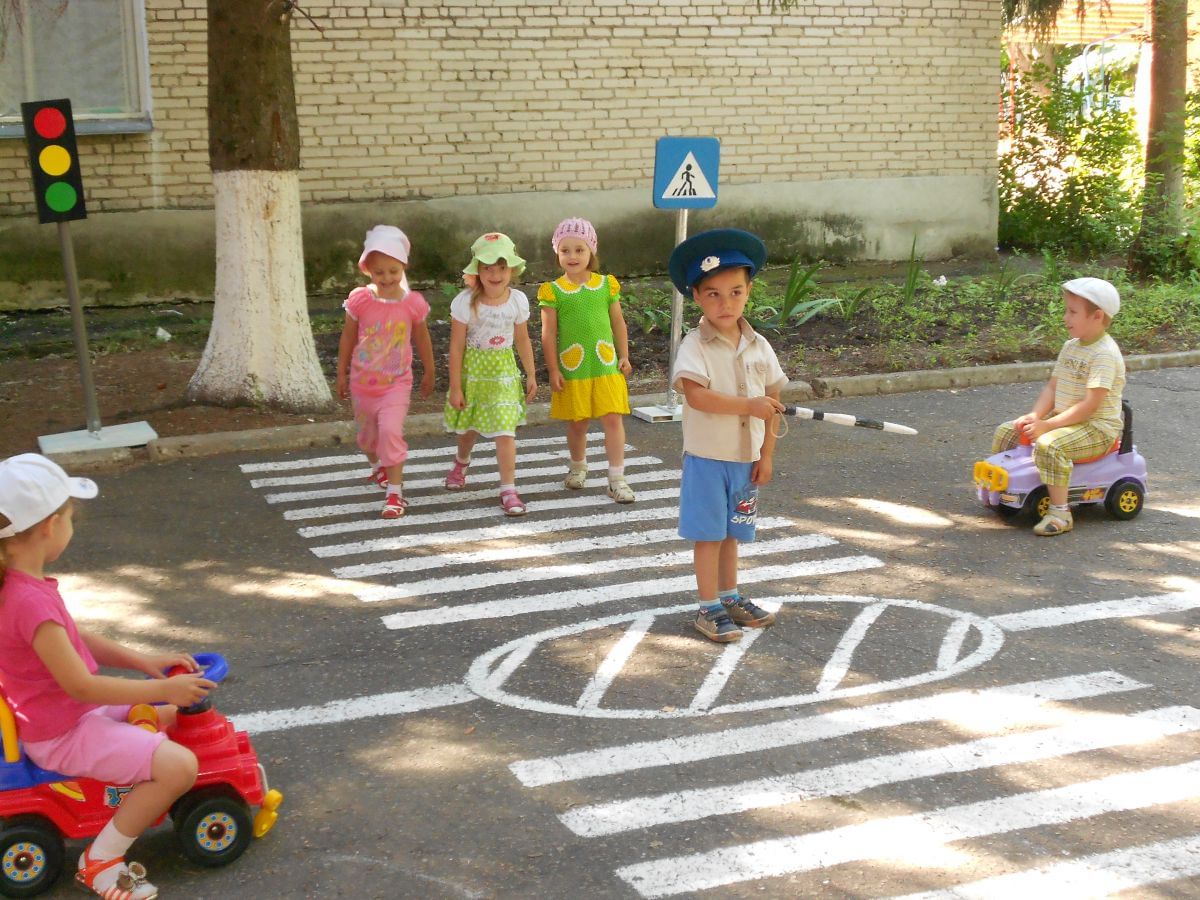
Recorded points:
(213,667)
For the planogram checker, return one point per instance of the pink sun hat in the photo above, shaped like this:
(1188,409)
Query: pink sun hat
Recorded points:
(388,240)
(576,228)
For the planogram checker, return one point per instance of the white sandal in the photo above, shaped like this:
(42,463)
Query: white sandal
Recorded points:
(1054,523)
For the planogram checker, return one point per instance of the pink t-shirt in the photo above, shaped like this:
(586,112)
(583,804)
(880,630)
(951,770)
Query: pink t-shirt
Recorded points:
(43,709)
(382,358)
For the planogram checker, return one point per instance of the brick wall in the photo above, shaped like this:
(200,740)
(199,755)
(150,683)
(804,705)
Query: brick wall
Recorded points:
(409,99)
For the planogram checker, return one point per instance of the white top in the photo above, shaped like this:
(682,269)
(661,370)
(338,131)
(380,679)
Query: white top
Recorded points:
(491,328)
(748,370)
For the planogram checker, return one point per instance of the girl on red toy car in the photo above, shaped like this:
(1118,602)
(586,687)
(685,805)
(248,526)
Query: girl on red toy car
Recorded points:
(69,718)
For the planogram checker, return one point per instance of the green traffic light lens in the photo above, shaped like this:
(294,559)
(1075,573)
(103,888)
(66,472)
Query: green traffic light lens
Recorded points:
(60,196)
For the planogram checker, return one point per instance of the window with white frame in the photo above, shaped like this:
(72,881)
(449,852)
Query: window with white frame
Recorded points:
(90,51)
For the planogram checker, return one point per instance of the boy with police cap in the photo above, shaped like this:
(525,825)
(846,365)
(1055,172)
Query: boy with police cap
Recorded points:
(730,379)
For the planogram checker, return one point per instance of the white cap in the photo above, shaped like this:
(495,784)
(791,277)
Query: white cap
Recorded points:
(1099,291)
(386,239)
(33,487)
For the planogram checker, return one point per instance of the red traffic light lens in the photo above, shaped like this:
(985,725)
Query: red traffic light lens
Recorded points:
(49,123)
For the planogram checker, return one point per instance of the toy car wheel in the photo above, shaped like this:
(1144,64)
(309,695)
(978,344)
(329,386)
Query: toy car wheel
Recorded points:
(215,829)
(31,857)
(1036,505)
(1124,499)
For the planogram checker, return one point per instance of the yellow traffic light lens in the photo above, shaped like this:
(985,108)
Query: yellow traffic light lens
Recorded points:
(54,159)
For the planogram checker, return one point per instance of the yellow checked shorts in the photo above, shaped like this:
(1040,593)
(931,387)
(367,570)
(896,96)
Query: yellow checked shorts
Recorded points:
(1055,452)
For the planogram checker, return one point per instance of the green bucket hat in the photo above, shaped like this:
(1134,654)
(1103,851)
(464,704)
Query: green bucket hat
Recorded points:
(490,249)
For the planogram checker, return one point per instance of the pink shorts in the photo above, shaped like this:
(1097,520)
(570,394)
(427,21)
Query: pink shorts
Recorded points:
(103,746)
(380,422)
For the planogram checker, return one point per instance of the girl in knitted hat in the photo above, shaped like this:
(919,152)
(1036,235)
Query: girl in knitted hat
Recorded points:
(486,398)
(586,345)
(384,320)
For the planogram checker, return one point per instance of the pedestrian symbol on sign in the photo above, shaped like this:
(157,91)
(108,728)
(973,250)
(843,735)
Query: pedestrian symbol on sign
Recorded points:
(689,181)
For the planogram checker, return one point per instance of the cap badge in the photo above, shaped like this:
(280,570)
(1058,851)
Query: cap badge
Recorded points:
(709,263)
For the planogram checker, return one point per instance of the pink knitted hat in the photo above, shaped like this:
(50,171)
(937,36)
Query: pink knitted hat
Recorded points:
(576,228)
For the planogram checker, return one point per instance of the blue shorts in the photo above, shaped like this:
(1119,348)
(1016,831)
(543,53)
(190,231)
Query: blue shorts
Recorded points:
(716,500)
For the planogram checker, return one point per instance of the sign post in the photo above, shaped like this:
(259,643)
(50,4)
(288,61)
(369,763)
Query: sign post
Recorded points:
(58,193)
(685,177)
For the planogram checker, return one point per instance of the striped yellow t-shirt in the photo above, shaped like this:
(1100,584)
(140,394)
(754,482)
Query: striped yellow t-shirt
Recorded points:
(1081,367)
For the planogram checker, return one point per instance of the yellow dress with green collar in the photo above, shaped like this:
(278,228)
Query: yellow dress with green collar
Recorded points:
(587,355)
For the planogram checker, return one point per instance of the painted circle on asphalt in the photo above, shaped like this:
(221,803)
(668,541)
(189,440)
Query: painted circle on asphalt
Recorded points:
(490,672)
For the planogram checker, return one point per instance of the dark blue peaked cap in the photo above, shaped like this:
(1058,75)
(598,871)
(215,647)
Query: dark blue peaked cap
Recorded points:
(711,251)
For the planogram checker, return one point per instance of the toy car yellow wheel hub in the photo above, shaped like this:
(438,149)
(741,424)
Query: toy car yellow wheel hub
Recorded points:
(216,832)
(23,862)
(1128,501)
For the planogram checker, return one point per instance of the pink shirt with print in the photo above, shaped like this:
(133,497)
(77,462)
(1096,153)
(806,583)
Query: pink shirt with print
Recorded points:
(43,709)
(382,358)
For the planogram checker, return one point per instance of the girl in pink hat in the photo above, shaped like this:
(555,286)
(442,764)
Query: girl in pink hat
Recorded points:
(384,320)
(586,346)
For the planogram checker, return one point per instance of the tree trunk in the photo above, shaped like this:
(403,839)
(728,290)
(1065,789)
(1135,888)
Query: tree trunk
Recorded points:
(1162,199)
(260,349)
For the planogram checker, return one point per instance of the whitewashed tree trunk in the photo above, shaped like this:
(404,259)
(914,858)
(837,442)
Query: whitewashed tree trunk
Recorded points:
(260,349)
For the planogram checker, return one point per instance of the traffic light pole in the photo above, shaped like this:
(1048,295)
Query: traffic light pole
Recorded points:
(79,330)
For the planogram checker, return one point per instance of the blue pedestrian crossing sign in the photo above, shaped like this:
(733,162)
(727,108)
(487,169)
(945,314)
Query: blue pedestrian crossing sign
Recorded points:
(685,172)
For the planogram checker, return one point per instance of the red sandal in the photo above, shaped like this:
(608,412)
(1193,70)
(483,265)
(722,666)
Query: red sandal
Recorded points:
(130,884)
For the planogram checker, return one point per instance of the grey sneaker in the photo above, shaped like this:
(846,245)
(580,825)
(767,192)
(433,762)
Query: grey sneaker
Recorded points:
(748,615)
(717,627)
(576,478)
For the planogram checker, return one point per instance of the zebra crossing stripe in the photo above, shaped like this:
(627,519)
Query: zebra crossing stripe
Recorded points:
(1053,616)
(839,661)
(731,654)
(525,528)
(918,834)
(346,459)
(416,521)
(656,587)
(439,586)
(446,497)
(1018,704)
(1094,732)
(351,474)
(610,668)
(393,704)
(528,551)
(417,484)
(1101,875)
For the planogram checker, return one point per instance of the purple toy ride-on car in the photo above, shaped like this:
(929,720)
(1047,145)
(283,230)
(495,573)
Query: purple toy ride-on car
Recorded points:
(1009,483)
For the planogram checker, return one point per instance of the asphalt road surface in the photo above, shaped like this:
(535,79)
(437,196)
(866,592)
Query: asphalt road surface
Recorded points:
(459,705)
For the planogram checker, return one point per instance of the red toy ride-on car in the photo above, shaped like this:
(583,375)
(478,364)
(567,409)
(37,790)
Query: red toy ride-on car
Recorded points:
(39,809)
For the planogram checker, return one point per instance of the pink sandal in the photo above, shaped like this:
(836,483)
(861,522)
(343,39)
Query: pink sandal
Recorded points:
(456,478)
(510,502)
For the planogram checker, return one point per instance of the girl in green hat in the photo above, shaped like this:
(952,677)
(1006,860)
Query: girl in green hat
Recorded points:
(487,321)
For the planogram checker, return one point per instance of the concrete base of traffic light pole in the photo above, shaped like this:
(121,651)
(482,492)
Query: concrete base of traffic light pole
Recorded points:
(134,434)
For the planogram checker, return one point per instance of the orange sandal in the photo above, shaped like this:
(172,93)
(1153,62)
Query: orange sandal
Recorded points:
(131,883)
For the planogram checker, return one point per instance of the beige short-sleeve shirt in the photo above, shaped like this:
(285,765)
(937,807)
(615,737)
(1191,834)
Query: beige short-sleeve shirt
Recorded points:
(750,369)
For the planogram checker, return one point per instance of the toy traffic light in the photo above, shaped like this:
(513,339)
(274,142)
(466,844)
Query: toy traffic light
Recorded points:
(54,160)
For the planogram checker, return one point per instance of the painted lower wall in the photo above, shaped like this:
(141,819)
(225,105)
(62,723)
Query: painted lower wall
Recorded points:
(153,255)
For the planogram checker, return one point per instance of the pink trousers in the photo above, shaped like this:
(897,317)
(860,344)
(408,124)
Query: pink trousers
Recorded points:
(380,422)
(101,745)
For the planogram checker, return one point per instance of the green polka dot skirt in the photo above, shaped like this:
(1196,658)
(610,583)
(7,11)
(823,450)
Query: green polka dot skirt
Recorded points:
(494,390)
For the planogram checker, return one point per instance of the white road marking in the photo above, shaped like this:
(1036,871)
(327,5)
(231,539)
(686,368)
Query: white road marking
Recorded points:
(594,691)
(1020,704)
(529,551)
(393,704)
(1053,616)
(1093,732)
(655,587)
(482,677)
(439,586)
(447,497)
(913,836)
(839,661)
(1100,875)
(345,459)
(952,644)
(525,528)
(351,474)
